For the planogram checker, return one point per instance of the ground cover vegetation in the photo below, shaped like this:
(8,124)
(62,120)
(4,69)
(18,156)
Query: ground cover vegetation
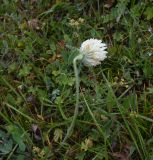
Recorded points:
(38,41)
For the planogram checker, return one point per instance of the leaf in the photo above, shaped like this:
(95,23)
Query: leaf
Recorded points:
(6,146)
(118,36)
(119,155)
(55,93)
(63,79)
(136,10)
(109,3)
(25,70)
(12,67)
(149,12)
(11,99)
(2,134)
(22,146)
(150,90)
(20,157)
(17,135)
(42,94)
(36,132)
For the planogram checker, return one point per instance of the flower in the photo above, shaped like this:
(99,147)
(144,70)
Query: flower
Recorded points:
(74,23)
(93,51)
(81,20)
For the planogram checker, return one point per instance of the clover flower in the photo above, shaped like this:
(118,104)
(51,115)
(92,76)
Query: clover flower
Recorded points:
(76,23)
(93,51)
(81,20)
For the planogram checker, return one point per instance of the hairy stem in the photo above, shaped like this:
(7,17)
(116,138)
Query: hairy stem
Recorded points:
(70,129)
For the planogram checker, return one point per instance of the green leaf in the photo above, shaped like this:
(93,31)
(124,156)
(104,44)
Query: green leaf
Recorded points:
(20,157)
(25,70)
(6,146)
(2,134)
(17,136)
(12,67)
(118,36)
(149,12)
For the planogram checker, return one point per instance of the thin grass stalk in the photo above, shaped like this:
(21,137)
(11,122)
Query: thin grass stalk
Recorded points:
(122,115)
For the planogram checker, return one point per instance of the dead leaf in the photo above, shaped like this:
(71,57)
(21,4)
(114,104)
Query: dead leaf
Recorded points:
(54,58)
(61,44)
(120,155)
(36,132)
(124,154)
(40,117)
(109,3)
(71,151)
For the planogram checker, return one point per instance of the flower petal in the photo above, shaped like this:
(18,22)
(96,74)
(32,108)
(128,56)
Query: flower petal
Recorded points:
(93,51)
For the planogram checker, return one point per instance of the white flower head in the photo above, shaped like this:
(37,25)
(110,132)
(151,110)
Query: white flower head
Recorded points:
(93,51)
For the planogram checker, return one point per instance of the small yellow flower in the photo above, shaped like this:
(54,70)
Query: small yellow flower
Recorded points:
(88,143)
(134,114)
(72,20)
(36,149)
(81,20)
(76,23)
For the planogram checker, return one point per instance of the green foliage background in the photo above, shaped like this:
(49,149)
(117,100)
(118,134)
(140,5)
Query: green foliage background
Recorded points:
(38,39)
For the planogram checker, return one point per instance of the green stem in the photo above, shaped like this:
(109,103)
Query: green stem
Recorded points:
(70,129)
